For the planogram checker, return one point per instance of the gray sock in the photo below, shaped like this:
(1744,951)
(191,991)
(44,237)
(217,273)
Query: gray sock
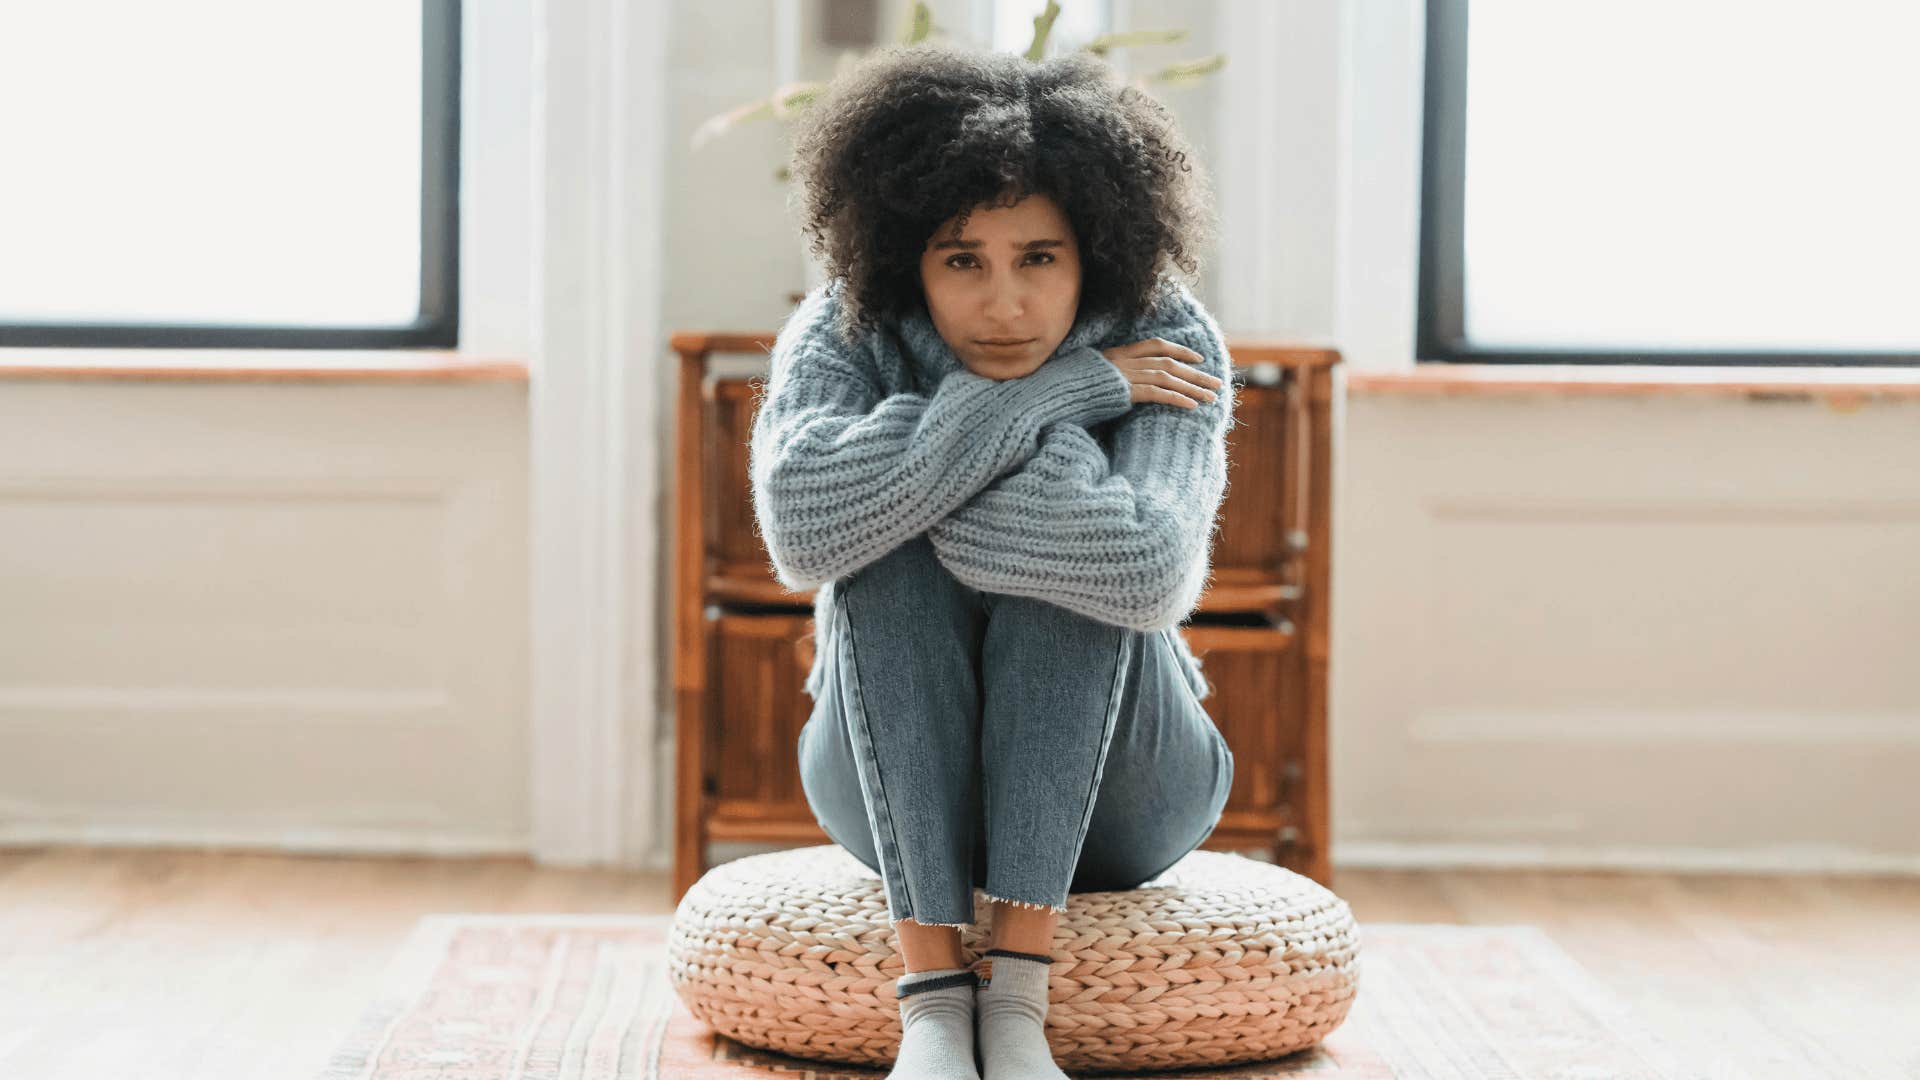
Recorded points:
(1012,1006)
(936,1026)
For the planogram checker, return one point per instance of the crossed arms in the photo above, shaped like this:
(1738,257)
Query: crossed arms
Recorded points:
(1014,492)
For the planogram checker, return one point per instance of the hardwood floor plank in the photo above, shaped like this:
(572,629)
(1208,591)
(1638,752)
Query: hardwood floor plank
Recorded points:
(171,964)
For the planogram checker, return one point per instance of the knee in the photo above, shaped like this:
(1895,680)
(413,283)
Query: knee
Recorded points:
(1055,622)
(912,580)
(1119,859)
(907,568)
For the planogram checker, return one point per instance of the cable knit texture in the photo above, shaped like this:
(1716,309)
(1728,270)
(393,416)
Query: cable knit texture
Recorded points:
(1055,485)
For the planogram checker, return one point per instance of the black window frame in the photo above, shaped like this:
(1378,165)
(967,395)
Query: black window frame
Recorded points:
(1440,308)
(438,324)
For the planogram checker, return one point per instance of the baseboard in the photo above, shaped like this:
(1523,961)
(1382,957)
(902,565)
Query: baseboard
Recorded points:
(1782,859)
(1357,856)
(305,841)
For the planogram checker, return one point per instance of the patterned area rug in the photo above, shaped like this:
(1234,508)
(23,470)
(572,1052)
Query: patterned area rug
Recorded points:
(587,997)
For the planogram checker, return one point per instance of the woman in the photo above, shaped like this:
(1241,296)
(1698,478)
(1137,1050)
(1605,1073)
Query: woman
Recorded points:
(994,445)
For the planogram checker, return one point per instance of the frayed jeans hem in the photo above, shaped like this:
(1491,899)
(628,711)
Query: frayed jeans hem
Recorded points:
(1055,908)
(893,922)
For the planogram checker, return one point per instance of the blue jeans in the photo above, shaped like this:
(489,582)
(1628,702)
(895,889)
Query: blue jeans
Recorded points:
(967,739)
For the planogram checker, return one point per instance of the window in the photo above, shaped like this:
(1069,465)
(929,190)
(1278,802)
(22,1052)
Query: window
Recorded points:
(225,173)
(1661,182)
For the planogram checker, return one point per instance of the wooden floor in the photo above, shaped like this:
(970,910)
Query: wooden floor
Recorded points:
(163,965)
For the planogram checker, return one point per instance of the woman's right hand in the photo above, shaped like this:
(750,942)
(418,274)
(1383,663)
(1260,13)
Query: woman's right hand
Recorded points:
(1163,371)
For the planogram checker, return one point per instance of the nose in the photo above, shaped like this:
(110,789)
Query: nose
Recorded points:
(1005,314)
(1006,304)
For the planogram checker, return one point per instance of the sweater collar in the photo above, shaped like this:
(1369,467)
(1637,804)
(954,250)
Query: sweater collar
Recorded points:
(932,359)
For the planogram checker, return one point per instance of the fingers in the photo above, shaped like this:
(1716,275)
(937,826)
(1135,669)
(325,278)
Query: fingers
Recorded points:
(1160,371)
(1164,386)
(1177,357)
(1173,397)
(1181,386)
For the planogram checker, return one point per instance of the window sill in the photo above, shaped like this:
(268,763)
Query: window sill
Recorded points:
(258,365)
(1840,387)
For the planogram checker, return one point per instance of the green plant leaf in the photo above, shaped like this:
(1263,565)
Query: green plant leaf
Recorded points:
(1130,38)
(781,103)
(1190,71)
(794,96)
(715,126)
(1042,26)
(920,24)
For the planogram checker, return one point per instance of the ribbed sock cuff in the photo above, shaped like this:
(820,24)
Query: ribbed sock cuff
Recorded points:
(1022,973)
(919,982)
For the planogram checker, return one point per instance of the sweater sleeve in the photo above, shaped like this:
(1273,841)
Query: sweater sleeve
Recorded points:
(1126,541)
(841,475)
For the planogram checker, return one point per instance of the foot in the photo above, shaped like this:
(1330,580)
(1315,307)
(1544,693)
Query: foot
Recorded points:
(936,1026)
(1011,1009)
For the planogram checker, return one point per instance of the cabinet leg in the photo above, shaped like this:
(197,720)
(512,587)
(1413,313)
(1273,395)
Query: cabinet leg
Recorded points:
(690,798)
(689,862)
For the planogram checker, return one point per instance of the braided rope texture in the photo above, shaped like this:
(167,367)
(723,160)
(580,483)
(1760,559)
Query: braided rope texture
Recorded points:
(1220,960)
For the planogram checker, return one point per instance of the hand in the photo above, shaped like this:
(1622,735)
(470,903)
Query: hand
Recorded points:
(1163,371)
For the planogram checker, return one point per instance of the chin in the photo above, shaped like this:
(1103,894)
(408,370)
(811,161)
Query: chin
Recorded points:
(1003,372)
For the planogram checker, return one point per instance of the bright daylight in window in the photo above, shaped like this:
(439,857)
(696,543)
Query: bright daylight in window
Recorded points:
(210,162)
(1693,175)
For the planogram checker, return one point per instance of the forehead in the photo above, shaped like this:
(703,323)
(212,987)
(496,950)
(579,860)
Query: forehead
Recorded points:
(1034,217)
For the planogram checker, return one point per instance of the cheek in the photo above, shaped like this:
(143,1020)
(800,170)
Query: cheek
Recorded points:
(935,295)
(1070,279)
(1069,287)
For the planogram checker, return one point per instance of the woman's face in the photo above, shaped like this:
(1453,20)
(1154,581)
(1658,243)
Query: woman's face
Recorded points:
(1012,275)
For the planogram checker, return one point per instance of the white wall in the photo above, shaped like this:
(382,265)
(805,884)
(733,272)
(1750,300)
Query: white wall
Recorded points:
(1610,631)
(1604,631)
(285,615)
(274,615)
(1627,632)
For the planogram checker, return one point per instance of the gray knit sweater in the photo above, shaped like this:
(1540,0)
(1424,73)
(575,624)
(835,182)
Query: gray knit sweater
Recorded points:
(1054,485)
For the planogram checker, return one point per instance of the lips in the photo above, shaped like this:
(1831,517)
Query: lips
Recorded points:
(1006,344)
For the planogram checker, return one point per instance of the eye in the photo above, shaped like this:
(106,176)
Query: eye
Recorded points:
(1033,254)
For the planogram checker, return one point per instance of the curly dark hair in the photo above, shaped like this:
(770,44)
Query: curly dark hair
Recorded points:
(916,134)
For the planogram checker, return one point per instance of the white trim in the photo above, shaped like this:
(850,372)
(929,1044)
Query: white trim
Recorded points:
(789,42)
(83,704)
(1276,116)
(597,191)
(978,17)
(1317,172)
(1649,727)
(1246,120)
(1777,859)
(1383,51)
(1120,21)
(496,207)
(158,830)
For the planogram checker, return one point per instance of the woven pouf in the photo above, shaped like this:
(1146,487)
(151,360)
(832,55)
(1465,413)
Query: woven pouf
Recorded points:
(1220,960)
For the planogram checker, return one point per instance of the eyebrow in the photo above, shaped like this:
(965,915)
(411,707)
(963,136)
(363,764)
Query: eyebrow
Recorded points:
(1031,245)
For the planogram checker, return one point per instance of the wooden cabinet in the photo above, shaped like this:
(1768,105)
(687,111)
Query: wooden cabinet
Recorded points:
(744,644)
